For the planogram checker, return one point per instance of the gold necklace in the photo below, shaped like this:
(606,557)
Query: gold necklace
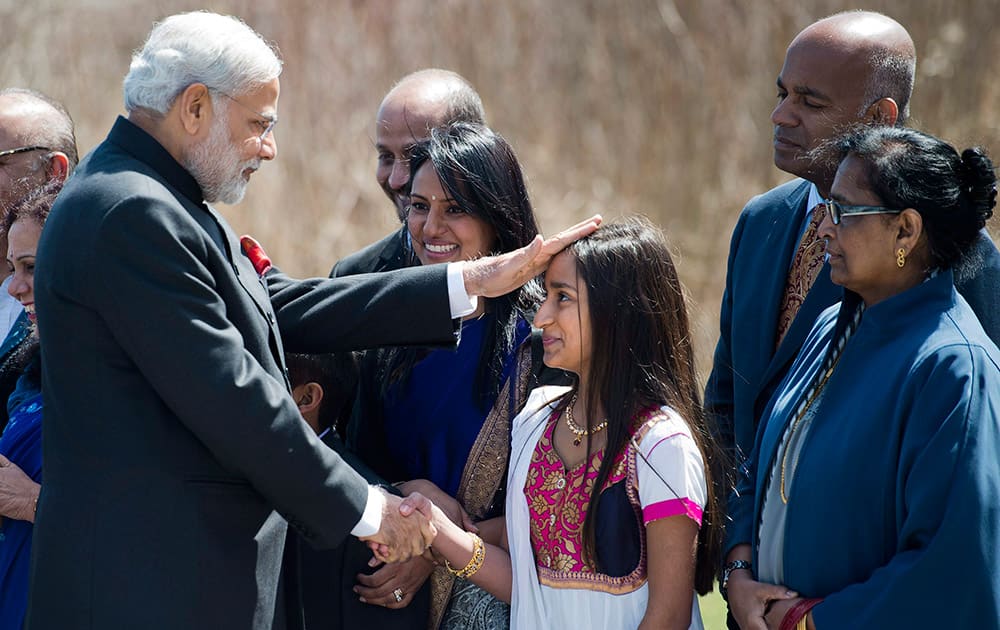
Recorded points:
(580,432)
(795,426)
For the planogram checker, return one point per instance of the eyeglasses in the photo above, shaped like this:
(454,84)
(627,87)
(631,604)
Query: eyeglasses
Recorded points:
(267,124)
(838,210)
(9,152)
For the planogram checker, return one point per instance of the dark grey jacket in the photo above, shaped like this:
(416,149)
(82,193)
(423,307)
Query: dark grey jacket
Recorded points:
(173,451)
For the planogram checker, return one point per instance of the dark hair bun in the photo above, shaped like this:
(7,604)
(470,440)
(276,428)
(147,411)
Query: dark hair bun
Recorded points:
(979,183)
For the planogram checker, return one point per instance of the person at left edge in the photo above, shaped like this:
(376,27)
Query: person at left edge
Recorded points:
(172,443)
(21,439)
(37,150)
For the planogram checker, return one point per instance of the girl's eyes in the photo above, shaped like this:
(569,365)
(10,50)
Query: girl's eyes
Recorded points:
(561,296)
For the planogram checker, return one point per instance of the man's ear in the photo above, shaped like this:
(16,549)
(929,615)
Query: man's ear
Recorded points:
(308,397)
(194,106)
(57,168)
(884,111)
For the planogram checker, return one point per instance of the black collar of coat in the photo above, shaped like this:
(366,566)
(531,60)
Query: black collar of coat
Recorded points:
(145,148)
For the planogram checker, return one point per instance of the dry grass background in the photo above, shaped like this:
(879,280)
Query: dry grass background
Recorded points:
(652,106)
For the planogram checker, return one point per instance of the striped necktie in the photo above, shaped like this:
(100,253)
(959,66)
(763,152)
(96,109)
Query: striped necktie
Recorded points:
(802,274)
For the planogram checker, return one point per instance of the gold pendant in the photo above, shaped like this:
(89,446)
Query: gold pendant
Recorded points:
(576,441)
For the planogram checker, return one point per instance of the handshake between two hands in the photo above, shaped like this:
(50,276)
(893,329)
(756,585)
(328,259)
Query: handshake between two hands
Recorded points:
(407,529)
(408,525)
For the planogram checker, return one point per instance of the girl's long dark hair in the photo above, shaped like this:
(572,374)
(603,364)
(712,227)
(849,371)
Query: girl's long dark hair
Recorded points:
(642,357)
(479,170)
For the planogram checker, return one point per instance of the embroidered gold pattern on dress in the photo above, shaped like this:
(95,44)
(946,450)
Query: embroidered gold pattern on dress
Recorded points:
(557,502)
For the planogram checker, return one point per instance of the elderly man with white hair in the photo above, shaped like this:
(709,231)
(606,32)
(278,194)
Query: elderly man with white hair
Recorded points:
(174,452)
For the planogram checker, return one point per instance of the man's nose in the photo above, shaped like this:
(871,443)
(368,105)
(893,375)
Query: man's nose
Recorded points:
(399,175)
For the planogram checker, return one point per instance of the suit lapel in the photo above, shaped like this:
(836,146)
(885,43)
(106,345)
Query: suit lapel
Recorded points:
(780,244)
(253,285)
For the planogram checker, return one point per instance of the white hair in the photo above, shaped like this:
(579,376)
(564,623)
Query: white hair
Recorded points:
(219,51)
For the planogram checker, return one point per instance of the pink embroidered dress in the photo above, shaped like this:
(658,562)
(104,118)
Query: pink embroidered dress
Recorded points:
(554,585)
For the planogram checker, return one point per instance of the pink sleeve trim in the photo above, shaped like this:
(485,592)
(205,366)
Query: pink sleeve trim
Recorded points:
(672,507)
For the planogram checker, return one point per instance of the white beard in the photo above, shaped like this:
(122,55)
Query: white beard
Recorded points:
(215,164)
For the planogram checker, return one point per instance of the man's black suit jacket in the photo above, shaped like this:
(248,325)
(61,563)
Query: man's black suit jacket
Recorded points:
(173,451)
(388,254)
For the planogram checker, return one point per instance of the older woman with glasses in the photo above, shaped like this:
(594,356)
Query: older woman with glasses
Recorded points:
(871,499)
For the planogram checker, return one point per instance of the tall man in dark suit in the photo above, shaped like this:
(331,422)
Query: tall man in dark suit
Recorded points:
(173,451)
(419,102)
(854,67)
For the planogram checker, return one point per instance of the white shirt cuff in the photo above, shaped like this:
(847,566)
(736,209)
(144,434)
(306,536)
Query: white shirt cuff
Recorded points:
(371,520)
(459,300)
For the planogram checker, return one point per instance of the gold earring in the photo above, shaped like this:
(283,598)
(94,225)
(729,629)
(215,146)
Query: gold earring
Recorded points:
(900,257)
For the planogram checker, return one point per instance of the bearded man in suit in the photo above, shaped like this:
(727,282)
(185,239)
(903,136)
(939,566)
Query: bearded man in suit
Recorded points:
(172,444)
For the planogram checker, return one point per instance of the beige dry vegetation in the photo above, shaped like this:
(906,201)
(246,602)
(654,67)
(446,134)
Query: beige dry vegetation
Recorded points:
(652,106)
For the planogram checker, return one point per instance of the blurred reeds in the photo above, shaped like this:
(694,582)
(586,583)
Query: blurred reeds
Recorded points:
(653,106)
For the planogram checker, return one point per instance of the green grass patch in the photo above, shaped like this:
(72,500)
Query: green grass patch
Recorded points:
(713,610)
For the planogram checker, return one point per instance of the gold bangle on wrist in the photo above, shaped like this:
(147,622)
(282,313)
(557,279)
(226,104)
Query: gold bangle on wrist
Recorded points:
(801,625)
(475,562)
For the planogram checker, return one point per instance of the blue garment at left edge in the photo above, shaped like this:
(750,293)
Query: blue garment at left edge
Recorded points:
(21,443)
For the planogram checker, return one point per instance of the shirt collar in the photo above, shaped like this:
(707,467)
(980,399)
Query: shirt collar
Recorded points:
(814,199)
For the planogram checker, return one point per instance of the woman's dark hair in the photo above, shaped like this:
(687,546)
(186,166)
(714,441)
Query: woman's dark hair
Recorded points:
(478,169)
(29,202)
(954,194)
(642,357)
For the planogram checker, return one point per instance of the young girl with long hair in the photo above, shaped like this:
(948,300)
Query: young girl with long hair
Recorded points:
(611,515)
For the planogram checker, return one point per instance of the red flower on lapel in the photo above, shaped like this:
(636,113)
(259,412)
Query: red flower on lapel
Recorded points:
(258,258)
